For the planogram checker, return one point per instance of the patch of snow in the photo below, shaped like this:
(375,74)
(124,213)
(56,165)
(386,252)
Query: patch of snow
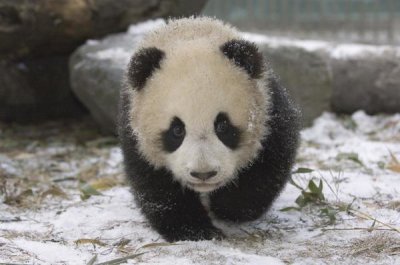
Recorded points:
(51,253)
(8,165)
(111,54)
(276,42)
(236,257)
(92,42)
(144,27)
(115,157)
(344,51)
(25,225)
(334,50)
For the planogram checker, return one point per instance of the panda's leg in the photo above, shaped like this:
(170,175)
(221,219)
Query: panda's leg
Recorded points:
(175,213)
(247,200)
(258,185)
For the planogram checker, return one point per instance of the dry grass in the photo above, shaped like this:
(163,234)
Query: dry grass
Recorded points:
(376,245)
(394,164)
(394,205)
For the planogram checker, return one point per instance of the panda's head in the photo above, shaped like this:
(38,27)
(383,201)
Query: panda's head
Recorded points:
(198,107)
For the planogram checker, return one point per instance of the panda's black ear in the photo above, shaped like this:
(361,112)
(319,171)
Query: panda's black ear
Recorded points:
(143,64)
(244,54)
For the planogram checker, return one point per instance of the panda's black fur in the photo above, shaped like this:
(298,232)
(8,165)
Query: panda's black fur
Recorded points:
(259,184)
(143,64)
(245,55)
(177,212)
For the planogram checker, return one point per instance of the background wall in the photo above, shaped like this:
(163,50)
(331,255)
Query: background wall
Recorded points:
(367,21)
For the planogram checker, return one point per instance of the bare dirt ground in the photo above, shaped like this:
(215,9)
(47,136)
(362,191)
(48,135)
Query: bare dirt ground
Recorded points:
(63,200)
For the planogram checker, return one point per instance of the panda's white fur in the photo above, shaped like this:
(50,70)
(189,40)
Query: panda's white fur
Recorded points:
(196,83)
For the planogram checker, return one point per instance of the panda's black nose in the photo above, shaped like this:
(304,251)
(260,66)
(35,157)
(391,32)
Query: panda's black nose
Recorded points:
(203,175)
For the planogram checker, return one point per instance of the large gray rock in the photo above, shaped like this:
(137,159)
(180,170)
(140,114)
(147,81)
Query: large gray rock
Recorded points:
(37,37)
(343,78)
(320,76)
(370,82)
(97,70)
(48,27)
(36,89)
(306,76)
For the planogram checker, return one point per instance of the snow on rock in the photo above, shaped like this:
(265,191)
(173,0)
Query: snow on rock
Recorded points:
(275,42)
(144,27)
(335,50)
(352,155)
(111,54)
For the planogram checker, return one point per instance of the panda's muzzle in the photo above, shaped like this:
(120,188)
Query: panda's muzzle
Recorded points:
(203,175)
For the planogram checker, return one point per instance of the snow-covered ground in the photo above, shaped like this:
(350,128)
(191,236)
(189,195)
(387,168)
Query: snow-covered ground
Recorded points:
(63,201)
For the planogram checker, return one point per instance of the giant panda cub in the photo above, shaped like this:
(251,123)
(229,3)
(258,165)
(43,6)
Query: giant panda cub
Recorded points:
(205,129)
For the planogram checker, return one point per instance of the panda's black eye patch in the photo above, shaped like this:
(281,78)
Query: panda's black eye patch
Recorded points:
(226,132)
(173,137)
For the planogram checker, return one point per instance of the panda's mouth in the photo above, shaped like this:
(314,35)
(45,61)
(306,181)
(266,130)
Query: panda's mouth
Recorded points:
(203,186)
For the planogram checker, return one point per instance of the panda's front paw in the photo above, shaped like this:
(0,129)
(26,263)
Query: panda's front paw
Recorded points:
(195,234)
(215,233)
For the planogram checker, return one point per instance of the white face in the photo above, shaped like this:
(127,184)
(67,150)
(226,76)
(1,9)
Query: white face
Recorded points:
(200,116)
(208,154)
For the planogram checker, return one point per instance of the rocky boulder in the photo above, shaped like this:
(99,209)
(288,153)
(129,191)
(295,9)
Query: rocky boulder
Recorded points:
(369,81)
(36,89)
(48,27)
(97,70)
(305,74)
(37,37)
(343,78)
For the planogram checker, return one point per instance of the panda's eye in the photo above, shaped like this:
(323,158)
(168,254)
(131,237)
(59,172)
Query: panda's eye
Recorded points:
(173,137)
(221,127)
(226,132)
(178,131)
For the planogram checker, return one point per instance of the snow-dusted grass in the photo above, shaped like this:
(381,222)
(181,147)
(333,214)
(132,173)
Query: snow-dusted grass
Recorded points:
(46,173)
